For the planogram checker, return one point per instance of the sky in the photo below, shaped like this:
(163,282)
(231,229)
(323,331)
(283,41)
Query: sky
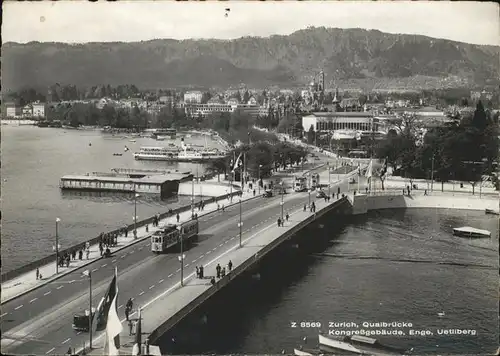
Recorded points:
(141,20)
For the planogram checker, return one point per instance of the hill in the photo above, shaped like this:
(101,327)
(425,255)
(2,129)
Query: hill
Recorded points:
(365,58)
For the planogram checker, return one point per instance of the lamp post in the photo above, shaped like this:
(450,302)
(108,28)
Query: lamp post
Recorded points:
(192,197)
(258,181)
(57,244)
(309,192)
(240,224)
(181,260)
(282,203)
(89,274)
(432,172)
(135,212)
(329,175)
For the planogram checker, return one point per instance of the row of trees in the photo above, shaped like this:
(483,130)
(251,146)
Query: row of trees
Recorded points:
(262,158)
(464,149)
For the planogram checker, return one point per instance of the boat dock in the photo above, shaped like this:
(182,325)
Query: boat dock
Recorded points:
(142,172)
(164,185)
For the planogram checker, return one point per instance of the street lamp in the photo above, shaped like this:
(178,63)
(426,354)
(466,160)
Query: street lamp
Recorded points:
(309,192)
(135,212)
(57,244)
(329,182)
(240,224)
(89,274)
(282,203)
(258,181)
(192,197)
(181,260)
(432,172)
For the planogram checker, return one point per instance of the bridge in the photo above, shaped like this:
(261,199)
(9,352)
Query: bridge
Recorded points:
(38,321)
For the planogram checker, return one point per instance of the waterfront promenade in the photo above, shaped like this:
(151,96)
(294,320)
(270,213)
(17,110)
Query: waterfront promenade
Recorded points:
(27,281)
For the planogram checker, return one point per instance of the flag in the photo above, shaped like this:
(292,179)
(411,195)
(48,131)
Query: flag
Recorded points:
(237,163)
(113,325)
(383,171)
(102,312)
(136,350)
(369,170)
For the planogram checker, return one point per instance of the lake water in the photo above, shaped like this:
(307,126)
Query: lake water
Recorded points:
(392,265)
(34,159)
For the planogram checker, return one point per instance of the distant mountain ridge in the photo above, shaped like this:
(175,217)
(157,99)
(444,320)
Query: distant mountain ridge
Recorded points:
(365,57)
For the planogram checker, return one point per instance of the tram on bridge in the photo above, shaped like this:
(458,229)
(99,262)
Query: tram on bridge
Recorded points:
(171,235)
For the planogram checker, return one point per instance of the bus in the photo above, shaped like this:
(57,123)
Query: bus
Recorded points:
(314,180)
(300,184)
(170,235)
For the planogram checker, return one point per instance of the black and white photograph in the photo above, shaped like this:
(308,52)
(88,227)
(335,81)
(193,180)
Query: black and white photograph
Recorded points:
(250,178)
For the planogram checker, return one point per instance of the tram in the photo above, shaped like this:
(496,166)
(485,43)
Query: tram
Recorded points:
(171,235)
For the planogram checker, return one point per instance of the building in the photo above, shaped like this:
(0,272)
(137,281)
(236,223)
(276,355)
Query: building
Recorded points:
(204,110)
(331,121)
(12,110)
(193,97)
(38,109)
(166,99)
(33,110)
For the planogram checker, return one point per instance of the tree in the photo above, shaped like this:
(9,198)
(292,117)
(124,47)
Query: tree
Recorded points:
(246,96)
(311,135)
(218,166)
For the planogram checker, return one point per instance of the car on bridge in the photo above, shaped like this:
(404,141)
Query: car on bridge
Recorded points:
(321,194)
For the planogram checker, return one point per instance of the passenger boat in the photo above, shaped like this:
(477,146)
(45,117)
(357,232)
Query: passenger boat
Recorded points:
(358,344)
(170,235)
(468,231)
(491,212)
(156,153)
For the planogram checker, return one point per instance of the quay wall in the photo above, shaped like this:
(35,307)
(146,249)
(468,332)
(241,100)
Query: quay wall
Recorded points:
(339,205)
(363,203)
(52,258)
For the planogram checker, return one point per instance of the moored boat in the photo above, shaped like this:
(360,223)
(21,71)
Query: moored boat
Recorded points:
(156,153)
(306,352)
(491,212)
(467,231)
(358,344)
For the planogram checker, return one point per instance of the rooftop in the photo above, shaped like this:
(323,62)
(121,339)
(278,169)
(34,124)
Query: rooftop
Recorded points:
(121,178)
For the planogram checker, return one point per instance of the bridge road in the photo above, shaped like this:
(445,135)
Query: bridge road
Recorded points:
(141,276)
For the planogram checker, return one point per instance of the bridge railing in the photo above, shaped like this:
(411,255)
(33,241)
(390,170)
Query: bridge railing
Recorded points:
(81,245)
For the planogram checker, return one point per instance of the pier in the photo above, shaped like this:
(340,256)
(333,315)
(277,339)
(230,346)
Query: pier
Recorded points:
(164,185)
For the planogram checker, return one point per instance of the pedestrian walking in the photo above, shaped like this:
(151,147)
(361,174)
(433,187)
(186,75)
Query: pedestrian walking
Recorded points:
(130,326)
(217,270)
(279,222)
(37,273)
(80,255)
(230,265)
(197,272)
(101,248)
(127,312)
(223,273)
(223,208)
(178,217)
(202,272)
(147,228)
(305,207)
(88,253)
(287,216)
(73,254)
